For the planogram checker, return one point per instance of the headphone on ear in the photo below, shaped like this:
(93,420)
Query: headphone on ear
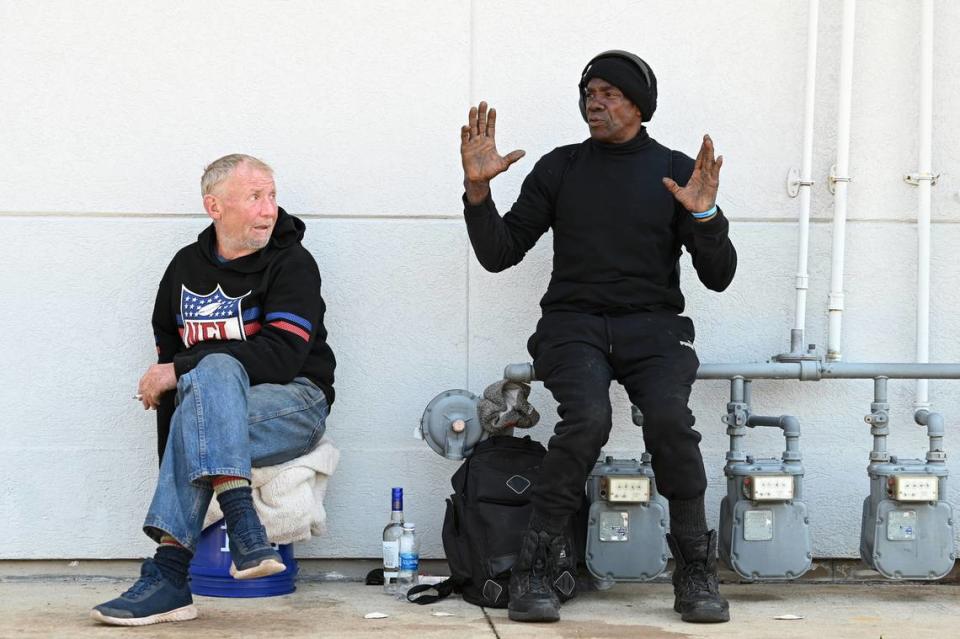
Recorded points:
(632,58)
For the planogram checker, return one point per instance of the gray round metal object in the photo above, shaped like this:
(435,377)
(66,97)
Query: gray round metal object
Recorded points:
(443,413)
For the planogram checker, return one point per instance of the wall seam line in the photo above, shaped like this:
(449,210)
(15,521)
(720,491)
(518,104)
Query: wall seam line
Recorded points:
(39,215)
(198,216)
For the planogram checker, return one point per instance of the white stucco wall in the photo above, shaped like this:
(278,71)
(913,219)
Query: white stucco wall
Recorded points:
(109,111)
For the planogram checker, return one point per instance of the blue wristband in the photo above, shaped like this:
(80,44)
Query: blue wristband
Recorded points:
(709,213)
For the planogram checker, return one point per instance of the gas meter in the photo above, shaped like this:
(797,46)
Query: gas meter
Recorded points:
(764,528)
(628,521)
(907,527)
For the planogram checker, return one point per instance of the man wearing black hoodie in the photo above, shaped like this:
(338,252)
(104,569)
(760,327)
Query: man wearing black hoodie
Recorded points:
(244,378)
(621,206)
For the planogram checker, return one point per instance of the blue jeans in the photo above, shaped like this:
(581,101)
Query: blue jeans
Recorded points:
(223,426)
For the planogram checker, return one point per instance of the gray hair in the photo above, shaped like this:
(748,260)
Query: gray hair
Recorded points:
(220,170)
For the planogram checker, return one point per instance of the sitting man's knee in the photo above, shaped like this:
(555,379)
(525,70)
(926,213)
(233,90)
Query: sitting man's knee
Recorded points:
(667,415)
(598,413)
(222,364)
(212,371)
(592,417)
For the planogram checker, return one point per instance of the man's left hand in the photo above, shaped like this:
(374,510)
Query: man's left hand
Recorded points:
(158,379)
(700,193)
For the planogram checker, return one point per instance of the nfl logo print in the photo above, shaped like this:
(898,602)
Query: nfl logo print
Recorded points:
(214,316)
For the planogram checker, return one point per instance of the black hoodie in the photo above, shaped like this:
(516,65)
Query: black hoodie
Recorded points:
(264,309)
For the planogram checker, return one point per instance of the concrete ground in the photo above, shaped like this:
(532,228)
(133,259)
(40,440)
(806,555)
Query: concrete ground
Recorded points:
(50,599)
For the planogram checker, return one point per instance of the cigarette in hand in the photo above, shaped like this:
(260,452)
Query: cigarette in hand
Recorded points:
(138,397)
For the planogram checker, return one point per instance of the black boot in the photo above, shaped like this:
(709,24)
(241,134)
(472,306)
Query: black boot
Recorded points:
(531,596)
(563,568)
(696,587)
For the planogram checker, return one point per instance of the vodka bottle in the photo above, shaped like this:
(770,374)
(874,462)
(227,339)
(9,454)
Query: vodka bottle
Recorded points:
(391,542)
(409,560)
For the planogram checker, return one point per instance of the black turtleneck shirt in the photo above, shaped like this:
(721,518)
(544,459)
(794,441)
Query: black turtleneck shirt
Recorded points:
(617,230)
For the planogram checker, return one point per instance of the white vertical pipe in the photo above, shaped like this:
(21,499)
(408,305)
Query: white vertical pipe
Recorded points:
(843,177)
(799,326)
(923,206)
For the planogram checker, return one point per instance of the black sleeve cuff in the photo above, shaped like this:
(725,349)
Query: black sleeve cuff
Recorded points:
(714,226)
(183,363)
(477,209)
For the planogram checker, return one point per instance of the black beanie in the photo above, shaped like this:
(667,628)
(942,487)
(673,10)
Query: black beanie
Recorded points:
(626,76)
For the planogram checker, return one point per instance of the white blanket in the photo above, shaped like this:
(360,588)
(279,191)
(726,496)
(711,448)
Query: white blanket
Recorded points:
(289,496)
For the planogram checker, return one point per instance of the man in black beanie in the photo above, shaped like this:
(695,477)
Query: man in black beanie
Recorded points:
(621,206)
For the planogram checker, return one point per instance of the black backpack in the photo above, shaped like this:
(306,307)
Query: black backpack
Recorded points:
(485,519)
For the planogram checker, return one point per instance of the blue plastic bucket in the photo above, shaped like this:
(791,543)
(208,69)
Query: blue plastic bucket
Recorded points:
(210,570)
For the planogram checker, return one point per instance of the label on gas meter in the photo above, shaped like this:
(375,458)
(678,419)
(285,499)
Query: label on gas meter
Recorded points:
(614,526)
(902,525)
(758,525)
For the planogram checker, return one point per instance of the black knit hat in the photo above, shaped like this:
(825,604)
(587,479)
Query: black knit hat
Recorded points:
(626,72)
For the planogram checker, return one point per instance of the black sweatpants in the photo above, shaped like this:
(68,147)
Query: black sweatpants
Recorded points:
(576,355)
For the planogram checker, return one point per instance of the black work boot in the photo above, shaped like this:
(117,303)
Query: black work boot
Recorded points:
(563,568)
(696,587)
(531,595)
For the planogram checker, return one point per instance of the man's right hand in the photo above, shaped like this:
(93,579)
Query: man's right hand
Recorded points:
(158,379)
(478,151)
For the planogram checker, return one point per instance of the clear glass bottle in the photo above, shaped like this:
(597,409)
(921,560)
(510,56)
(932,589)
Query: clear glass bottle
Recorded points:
(409,560)
(391,542)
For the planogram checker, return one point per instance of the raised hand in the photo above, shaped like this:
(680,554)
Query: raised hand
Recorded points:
(478,152)
(700,193)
